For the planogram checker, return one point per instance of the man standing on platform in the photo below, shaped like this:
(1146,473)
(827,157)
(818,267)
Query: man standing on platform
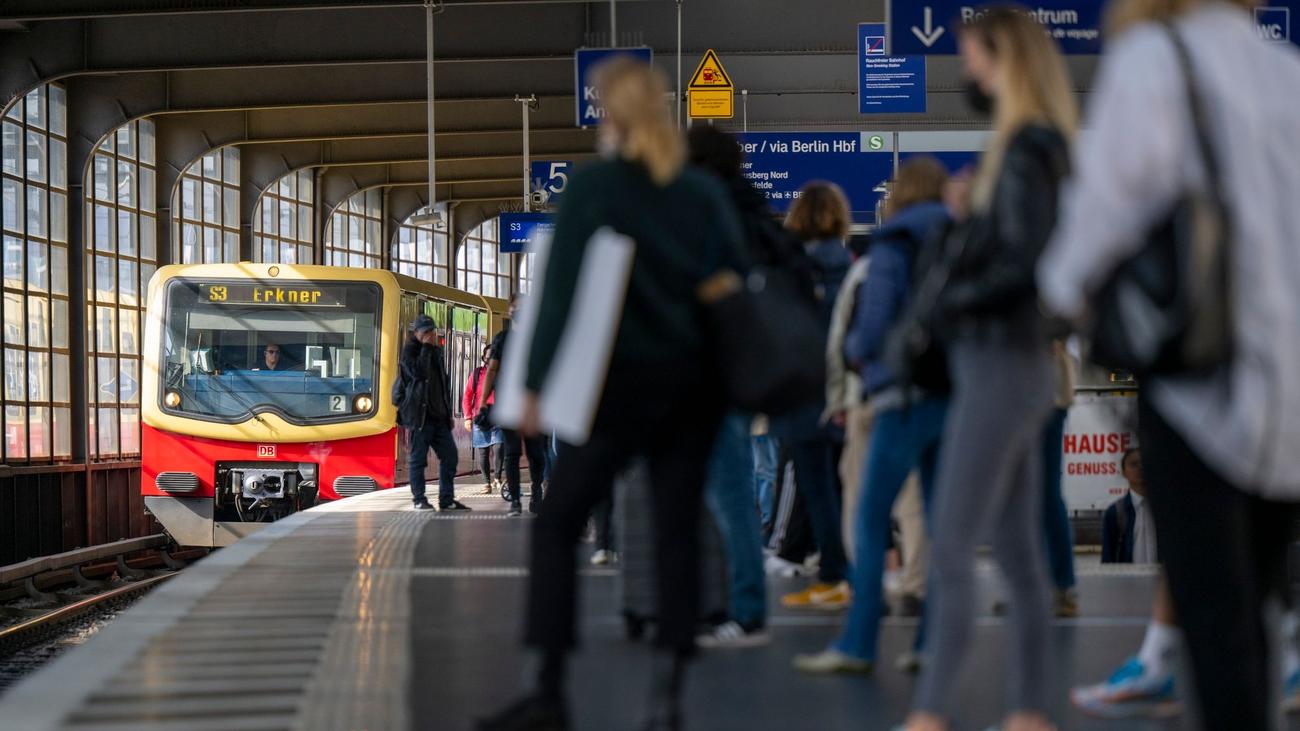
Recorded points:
(423,399)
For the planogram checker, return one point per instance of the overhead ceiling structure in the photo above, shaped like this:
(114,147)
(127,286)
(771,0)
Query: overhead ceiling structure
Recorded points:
(335,91)
(339,85)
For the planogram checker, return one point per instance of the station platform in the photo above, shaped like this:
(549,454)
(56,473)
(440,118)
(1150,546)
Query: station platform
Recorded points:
(366,614)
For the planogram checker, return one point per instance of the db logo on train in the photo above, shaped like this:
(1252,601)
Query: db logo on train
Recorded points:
(266,451)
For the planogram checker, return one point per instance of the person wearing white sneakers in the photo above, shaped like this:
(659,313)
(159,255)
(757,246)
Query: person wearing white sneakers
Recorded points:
(1143,686)
(909,419)
(1168,125)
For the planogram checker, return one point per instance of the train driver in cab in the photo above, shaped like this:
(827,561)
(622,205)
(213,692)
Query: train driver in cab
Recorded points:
(273,358)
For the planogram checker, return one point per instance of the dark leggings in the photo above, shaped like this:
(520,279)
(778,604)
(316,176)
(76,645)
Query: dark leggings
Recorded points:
(1224,552)
(485,462)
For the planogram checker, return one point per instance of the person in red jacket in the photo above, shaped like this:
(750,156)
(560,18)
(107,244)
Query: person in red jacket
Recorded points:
(484,439)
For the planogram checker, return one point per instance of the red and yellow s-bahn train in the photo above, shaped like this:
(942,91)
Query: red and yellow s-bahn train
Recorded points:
(266,388)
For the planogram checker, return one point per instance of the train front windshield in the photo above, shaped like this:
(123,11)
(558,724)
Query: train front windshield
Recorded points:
(302,350)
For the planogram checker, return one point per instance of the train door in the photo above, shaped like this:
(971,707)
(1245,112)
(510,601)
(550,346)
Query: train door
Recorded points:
(410,307)
(466,341)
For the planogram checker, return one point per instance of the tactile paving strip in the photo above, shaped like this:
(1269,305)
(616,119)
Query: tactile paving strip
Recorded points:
(287,629)
(249,653)
(360,682)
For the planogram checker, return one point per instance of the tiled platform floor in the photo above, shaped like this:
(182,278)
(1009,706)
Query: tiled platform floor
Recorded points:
(366,614)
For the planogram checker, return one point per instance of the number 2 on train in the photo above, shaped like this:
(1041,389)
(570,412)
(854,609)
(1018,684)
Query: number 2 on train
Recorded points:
(338,404)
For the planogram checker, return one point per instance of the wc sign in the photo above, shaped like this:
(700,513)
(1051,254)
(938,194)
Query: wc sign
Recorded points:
(1274,23)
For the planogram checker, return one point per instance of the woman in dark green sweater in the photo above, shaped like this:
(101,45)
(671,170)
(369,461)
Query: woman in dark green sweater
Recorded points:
(660,398)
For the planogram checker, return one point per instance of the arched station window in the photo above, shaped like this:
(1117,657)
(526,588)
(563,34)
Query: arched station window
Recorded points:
(37,413)
(526,268)
(354,232)
(205,210)
(284,221)
(121,256)
(481,268)
(420,251)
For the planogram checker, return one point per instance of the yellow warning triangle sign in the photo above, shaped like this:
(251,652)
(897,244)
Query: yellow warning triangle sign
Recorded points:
(710,74)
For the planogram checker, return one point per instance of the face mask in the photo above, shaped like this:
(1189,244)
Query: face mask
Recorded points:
(981,102)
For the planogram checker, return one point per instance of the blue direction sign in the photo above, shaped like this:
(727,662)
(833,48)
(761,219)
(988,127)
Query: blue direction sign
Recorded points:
(929,27)
(518,229)
(587,106)
(780,163)
(550,177)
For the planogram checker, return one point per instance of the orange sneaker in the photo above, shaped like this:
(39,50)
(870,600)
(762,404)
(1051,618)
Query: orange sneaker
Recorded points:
(829,597)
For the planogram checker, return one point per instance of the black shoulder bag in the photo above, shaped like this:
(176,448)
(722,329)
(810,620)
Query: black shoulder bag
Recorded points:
(913,352)
(768,342)
(1168,309)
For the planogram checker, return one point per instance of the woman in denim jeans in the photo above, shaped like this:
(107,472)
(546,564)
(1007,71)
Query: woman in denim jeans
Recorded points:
(908,421)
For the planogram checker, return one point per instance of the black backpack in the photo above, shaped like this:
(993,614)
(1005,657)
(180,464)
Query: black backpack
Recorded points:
(914,351)
(409,396)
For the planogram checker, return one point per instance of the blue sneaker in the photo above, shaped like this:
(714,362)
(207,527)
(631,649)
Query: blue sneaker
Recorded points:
(1130,692)
(1291,694)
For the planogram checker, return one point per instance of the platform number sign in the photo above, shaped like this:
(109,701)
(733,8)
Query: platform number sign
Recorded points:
(549,179)
(266,451)
(338,404)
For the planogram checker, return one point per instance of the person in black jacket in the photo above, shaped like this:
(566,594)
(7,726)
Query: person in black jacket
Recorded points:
(658,399)
(423,400)
(989,481)
(1128,532)
(820,219)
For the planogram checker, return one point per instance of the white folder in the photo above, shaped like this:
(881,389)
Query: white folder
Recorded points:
(573,386)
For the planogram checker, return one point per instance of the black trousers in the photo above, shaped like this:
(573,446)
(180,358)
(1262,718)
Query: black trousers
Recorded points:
(797,542)
(514,446)
(1224,552)
(673,427)
(603,517)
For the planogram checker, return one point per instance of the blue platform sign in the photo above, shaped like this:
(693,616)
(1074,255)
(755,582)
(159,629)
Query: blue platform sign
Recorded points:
(780,163)
(588,107)
(518,229)
(550,177)
(929,27)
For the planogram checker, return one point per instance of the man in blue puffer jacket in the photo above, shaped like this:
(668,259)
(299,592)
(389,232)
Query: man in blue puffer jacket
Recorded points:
(909,422)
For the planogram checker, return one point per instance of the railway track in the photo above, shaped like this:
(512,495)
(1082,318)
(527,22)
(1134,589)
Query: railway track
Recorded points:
(49,625)
(50,603)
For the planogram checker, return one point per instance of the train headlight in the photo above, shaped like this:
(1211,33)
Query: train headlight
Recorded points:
(363,404)
(172,399)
